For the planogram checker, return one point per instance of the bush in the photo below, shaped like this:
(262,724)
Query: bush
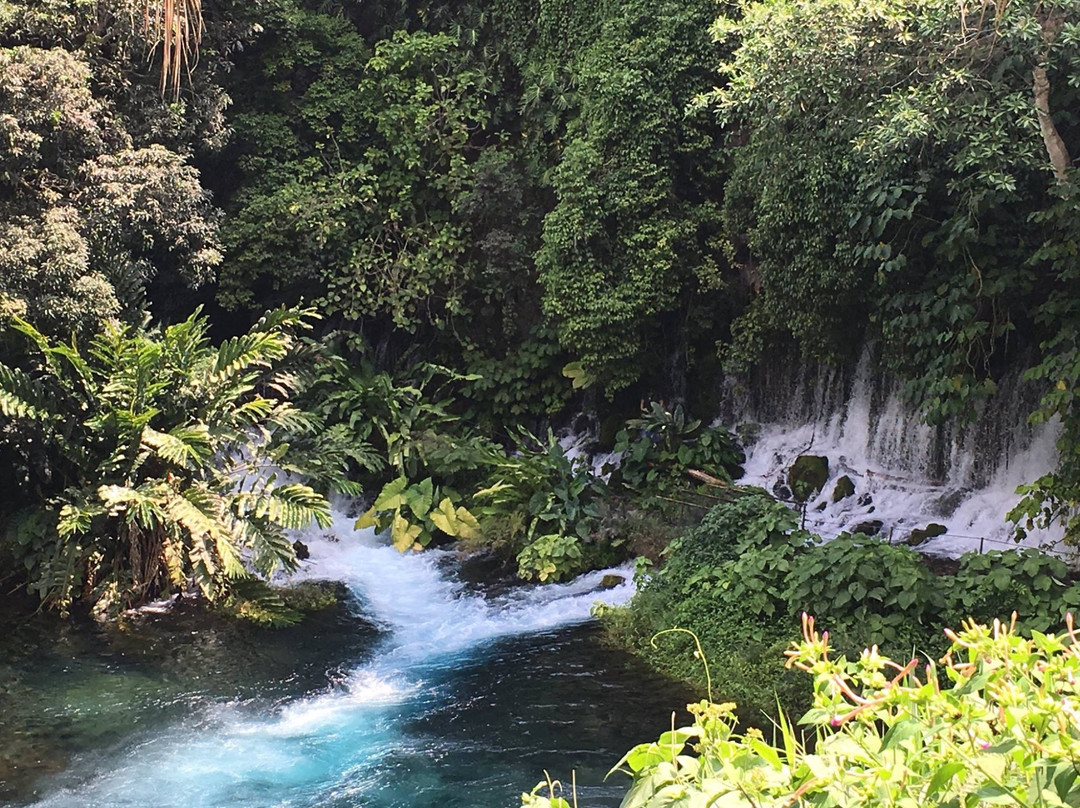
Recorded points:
(1001,730)
(1030,582)
(870,590)
(740,578)
(662,446)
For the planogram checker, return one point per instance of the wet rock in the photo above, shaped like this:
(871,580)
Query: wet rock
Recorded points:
(845,488)
(865,500)
(609,428)
(821,506)
(611,581)
(807,476)
(301,550)
(946,504)
(781,491)
(870,528)
(921,534)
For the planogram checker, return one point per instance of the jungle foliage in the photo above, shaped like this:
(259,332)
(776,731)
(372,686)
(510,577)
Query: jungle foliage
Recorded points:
(141,463)
(991,723)
(749,563)
(479,197)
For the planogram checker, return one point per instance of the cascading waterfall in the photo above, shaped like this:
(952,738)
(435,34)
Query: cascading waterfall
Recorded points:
(906,474)
(349,745)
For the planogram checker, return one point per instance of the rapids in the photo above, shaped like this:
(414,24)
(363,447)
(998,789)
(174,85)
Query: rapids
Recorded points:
(463,700)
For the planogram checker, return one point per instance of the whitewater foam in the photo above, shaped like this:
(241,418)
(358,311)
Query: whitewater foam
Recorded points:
(322,744)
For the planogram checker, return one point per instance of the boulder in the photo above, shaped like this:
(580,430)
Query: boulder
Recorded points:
(845,488)
(301,550)
(807,476)
(869,528)
(611,581)
(921,534)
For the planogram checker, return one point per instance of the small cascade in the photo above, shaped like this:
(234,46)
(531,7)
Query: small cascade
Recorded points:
(907,475)
(332,747)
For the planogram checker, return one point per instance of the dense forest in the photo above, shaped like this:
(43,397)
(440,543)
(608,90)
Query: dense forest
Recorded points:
(257,255)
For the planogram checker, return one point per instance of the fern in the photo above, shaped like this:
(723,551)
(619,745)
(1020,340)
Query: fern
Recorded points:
(184,446)
(22,397)
(141,430)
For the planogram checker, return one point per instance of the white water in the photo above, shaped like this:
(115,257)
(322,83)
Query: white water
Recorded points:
(906,474)
(327,749)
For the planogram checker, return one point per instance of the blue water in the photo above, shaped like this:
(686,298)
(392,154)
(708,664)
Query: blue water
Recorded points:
(422,692)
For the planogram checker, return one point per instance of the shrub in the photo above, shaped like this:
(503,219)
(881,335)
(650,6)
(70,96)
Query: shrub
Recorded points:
(661,446)
(149,449)
(867,588)
(1034,584)
(1001,730)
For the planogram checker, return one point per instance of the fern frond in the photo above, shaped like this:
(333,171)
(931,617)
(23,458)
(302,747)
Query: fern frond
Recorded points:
(76,520)
(291,506)
(271,550)
(294,317)
(184,446)
(238,355)
(293,419)
(22,397)
(254,411)
(145,505)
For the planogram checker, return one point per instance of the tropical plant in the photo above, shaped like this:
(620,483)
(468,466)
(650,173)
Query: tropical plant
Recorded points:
(661,446)
(152,454)
(431,510)
(553,502)
(993,723)
(401,422)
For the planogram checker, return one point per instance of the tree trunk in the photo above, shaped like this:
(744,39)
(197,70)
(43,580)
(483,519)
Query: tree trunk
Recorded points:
(1055,146)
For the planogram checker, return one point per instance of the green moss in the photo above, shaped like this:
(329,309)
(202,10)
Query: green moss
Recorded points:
(808,475)
(844,489)
(310,596)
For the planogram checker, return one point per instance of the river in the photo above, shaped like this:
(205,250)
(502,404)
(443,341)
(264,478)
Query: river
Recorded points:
(420,691)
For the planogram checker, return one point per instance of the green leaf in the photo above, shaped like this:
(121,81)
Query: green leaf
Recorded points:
(390,498)
(368,519)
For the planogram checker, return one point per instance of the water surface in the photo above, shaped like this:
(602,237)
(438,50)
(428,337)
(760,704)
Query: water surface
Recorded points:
(417,691)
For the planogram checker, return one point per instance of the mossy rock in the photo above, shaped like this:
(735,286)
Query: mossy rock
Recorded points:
(808,475)
(609,429)
(611,581)
(921,534)
(845,488)
(310,596)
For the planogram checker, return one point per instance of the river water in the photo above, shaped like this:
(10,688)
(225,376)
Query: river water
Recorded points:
(420,691)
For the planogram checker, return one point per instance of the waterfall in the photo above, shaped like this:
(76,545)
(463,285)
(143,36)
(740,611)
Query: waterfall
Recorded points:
(906,473)
(341,746)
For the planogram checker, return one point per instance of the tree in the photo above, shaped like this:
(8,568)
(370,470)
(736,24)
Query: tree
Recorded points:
(149,457)
(904,144)
(87,219)
(630,242)
(361,169)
